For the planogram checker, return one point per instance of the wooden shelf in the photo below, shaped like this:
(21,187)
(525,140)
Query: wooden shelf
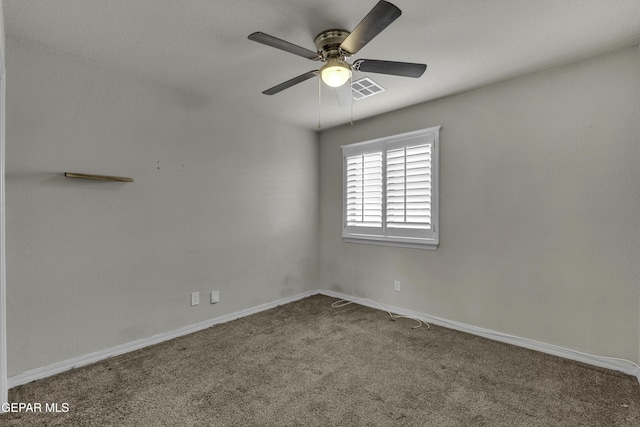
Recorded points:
(98,177)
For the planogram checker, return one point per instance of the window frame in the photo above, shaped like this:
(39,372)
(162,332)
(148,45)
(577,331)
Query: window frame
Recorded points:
(407,237)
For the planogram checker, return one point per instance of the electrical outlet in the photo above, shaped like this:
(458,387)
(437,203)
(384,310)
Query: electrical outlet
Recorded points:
(215,297)
(396,285)
(195,298)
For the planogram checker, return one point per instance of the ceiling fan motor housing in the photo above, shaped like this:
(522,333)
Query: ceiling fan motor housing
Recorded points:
(328,43)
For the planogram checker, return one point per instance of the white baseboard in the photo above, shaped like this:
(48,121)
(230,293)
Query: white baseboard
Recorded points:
(615,364)
(77,362)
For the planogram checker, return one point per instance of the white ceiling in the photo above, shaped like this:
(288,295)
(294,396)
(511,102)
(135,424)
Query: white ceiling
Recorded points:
(201,46)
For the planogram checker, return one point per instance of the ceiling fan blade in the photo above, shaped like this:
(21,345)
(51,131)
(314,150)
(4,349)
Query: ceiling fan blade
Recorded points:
(382,14)
(404,69)
(344,94)
(292,82)
(284,45)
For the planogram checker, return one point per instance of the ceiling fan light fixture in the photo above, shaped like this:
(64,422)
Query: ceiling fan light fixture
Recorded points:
(335,72)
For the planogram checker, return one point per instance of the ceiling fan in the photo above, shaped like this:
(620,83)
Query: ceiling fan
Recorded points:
(335,46)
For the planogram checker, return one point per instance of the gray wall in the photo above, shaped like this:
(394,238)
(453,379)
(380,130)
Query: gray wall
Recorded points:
(540,209)
(222,200)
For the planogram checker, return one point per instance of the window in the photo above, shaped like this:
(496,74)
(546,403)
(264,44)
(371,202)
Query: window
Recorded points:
(390,190)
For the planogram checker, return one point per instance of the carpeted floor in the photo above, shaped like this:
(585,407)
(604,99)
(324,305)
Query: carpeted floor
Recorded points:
(307,364)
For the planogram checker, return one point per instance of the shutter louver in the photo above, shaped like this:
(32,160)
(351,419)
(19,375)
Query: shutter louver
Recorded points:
(408,192)
(364,190)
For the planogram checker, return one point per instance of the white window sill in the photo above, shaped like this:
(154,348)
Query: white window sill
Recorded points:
(430,245)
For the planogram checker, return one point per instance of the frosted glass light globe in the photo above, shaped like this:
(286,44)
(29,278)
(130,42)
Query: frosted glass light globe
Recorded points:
(335,73)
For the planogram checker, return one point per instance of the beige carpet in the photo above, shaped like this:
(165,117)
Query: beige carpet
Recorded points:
(307,364)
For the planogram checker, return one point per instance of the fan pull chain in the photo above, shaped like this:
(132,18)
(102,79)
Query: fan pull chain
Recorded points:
(319,100)
(351,94)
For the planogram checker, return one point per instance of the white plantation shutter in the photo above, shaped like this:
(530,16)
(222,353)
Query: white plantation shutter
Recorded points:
(364,190)
(391,191)
(409,189)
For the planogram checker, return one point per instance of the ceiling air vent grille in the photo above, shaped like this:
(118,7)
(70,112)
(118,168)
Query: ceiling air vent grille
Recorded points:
(364,88)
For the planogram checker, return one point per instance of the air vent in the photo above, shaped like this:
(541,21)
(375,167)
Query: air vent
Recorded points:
(364,88)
